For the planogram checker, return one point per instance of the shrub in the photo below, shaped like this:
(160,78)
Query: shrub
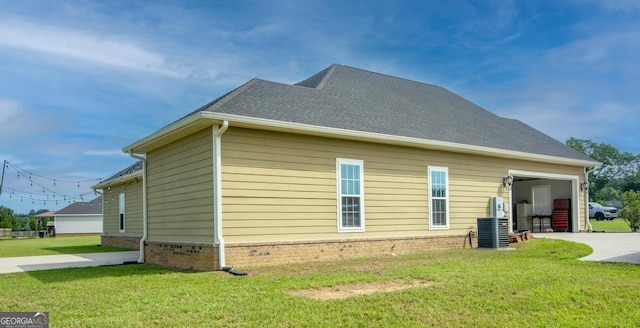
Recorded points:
(631,209)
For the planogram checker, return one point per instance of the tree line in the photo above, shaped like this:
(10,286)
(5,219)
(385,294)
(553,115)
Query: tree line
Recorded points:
(616,180)
(21,222)
(620,171)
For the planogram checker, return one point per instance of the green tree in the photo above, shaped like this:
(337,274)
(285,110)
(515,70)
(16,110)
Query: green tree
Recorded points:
(6,217)
(631,209)
(22,223)
(40,211)
(616,170)
(606,194)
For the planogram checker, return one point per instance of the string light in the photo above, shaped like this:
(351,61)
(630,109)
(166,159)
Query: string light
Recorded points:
(48,194)
(33,174)
(15,193)
(47,190)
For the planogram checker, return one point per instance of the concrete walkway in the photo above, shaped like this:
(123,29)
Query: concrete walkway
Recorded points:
(46,262)
(607,247)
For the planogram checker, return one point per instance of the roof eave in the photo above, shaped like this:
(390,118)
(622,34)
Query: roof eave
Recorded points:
(119,180)
(77,214)
(169,133)
(200,120)
(275,125)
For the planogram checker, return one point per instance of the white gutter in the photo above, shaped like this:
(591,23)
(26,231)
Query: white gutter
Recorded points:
(120,180)
(199,119)
(170,129)
(261,123)
(586,195)
(217,190)
(144,203)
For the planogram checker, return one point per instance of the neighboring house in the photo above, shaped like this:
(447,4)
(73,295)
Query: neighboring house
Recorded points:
(79,218)
(344,164)
(40,219)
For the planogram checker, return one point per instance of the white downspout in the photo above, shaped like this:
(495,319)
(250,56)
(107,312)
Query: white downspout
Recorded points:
(144,203)
(217,190)
(586,195)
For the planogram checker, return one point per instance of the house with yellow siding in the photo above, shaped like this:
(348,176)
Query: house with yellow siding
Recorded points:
(347,163)
(122,205)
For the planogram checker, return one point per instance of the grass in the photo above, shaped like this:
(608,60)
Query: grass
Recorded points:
(615,225)
(540,284)
(53,246)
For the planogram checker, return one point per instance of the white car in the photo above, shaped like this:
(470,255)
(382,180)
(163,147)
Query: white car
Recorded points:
(600,212)
(612,211)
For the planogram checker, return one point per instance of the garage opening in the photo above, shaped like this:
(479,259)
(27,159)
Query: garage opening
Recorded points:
(544,202)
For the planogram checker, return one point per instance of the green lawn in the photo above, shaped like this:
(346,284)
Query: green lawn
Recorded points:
(540,284)
(615,225)
(53,246)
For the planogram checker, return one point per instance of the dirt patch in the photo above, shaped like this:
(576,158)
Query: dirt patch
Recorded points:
(359,289)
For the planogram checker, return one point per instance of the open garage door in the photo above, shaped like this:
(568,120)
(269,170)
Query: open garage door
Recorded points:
(544,202)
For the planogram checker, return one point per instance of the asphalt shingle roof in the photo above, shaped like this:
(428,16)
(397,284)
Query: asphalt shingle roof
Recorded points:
(350,98)
(135,167)
(91,207)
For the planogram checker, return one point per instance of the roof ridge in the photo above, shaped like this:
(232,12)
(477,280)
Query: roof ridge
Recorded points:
(394,77)
(326,76)
(227,97)
(318,80)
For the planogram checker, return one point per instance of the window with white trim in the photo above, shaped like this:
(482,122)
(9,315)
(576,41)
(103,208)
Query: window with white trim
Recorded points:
(121,212)
(438,197)
(350,195)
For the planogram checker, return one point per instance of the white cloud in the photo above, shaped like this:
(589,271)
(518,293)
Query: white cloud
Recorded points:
(615,50)
(74,44)
(258,32)
(16,121)
(9,109)
(104,152)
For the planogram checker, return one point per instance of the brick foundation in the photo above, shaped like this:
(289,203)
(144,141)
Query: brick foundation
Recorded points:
(204,257)
(124,242)
(189,256)
(274,253)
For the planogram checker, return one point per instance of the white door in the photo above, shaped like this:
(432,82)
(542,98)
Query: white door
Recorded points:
(542,203)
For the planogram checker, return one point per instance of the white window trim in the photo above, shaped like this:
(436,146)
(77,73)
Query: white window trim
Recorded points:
(448,217)
(122,212)
(360,163)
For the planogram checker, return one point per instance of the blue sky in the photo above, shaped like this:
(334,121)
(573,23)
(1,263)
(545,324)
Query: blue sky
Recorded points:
(82,79)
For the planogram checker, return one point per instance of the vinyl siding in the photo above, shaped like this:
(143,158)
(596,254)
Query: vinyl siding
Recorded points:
(282,187)
(78,224)
(180,190)
(133,209)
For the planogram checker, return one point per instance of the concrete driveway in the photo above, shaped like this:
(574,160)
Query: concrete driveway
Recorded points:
(607,247)
(47,262)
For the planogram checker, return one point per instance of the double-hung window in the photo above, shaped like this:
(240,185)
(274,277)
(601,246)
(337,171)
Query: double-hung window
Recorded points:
(350,195)
(438,198)
(121,212)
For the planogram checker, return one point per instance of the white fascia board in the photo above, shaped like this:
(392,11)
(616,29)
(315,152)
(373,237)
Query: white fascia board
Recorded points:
(167,132)
(259,123)
(203,119)
(119,180)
